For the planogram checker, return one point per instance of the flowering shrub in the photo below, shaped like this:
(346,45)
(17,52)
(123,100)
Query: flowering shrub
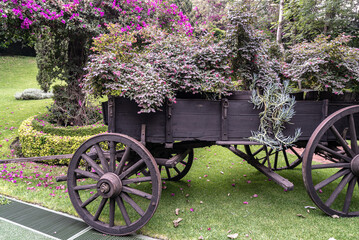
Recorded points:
(325,64)
(151,65)
(37,143)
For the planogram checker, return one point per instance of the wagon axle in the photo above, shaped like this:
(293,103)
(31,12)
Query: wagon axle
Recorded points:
(354,165)
(109,185)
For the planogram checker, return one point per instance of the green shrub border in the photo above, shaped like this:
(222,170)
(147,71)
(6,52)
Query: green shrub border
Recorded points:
(36,143)
(40,124)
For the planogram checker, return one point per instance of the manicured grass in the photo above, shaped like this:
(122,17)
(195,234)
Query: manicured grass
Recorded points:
(16,75)
(221,195)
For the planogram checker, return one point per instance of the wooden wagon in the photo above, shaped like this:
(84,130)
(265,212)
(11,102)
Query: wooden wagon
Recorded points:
(123,169)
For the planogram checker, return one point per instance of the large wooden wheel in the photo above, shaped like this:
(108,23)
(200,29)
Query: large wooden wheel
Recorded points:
(286,158)
(106,186)
(331,181)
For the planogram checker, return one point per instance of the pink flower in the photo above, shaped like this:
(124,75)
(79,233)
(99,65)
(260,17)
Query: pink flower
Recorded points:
(192,210)
(245,202)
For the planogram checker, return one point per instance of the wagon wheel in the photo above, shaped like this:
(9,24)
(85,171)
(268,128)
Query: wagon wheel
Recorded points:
(113,196)
(287,158)
(331,182)
(178,171)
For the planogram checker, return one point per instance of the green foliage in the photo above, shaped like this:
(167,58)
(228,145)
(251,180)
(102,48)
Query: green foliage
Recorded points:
(36,143)
(49,58)
(253,59)
(40,124)
(32,94)
(209,14)
(278,109)
(152,65)
(306,19)
(325,64)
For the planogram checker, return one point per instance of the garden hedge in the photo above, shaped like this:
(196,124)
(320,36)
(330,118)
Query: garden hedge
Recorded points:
(39,143)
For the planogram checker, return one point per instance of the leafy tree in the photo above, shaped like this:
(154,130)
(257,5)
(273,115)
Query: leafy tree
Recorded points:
(306,19)
(325,64)
(71,26)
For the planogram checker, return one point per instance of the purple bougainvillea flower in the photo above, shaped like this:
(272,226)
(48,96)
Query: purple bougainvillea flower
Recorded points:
(245,202)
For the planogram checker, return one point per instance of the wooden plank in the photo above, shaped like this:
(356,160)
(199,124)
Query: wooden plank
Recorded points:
(35,159)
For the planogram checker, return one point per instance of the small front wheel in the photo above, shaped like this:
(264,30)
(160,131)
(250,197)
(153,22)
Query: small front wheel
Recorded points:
(286,158)
(107,187)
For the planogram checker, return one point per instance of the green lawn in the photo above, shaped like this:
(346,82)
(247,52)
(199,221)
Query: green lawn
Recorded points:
(16,75)
(221,194)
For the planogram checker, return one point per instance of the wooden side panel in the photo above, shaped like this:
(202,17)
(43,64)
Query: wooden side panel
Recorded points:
(196,119)
(308,115)
(242,119)
(129,121)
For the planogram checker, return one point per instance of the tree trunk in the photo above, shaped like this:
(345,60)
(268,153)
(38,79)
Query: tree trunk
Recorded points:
(76,63)
(280,26)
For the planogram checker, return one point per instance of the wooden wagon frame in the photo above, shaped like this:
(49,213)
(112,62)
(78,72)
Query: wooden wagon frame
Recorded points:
(125,167)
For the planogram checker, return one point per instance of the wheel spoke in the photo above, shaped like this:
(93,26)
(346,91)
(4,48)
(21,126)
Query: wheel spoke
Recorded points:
(123,210)
(295,152)
(131,169)
(133,204)
(177,170)
(123,161)
(85,187)
(268,155)
(338,189)
(100,208)
(137,192)
(87,174)
(258,151)
(92,163)
(112,165)
(353,134)
(342,142)
(332,178)
(136,180)
(90,200)
(168,172)
(102,157)
(183,162)
(112,212)
(349,195)
(331,165)
(334,153)
(286,158)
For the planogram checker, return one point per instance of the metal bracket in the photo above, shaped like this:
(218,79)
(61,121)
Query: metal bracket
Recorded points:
(111,114)
(224,120)
(169,137)
(143,134)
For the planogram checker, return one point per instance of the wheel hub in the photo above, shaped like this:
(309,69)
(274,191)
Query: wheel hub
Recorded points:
(355,165)
(109,185)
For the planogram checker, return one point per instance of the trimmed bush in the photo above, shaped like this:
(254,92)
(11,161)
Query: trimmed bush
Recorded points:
(37,143)
(40,124)
(32,94)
